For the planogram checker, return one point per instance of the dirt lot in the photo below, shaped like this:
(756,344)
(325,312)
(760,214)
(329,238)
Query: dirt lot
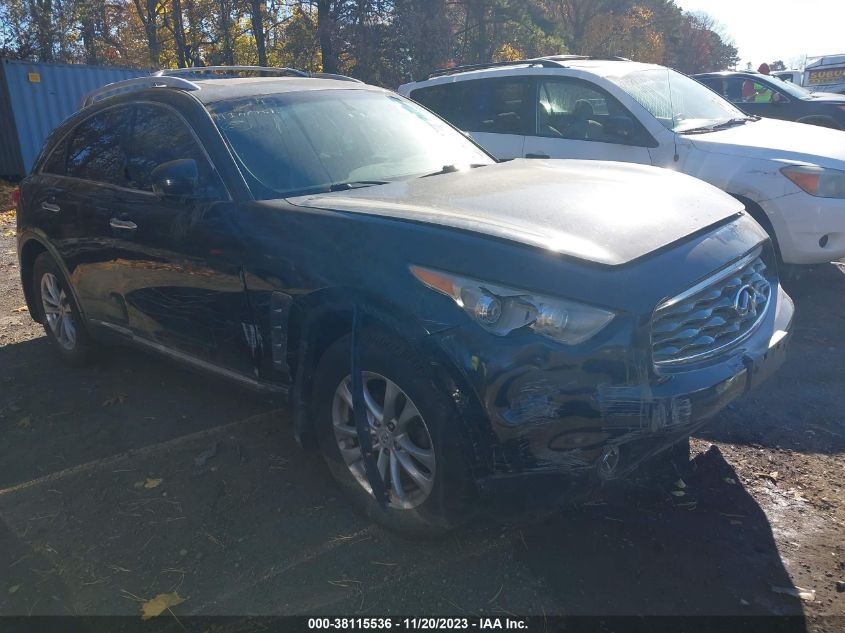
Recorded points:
(135,478)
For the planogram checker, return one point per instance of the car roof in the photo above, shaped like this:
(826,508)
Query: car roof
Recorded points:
(732,73)
(212,90)
(540,65)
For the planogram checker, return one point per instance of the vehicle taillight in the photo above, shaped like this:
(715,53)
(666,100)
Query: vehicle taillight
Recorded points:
(16,196)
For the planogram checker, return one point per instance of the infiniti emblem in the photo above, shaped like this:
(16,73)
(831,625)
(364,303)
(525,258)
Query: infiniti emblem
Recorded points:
(745,301)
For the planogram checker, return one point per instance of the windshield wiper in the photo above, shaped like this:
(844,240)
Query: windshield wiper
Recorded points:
(720,126)
(355,184)
(448,169)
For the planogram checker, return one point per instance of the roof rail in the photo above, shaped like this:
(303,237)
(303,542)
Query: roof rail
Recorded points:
(199,71)
(137,83)
(606,58)
(334,76)
(549,61)
(545,62)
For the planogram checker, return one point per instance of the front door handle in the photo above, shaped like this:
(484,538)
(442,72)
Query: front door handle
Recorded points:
(122,225)
(537,156)
(51,207)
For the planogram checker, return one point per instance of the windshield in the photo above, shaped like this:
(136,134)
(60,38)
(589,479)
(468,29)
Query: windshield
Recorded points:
(296,143)
(791,89)
(678,102)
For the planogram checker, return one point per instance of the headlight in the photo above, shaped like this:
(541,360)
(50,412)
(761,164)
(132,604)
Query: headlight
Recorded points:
(817,181)
(501,310)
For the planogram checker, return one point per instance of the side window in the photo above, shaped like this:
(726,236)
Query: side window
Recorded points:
(159,136)
(730,87)
(96,149)
(576,110)
(748,91)
(444,100)
(56,160)
(497,106)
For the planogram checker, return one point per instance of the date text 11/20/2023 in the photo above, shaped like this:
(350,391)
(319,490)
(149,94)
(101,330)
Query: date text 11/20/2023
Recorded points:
(418,623)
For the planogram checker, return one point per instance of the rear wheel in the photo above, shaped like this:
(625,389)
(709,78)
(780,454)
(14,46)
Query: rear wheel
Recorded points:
(59,313)
(414,429)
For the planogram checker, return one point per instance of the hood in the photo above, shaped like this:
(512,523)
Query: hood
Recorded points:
(604,212)
(827,97)
(772,139)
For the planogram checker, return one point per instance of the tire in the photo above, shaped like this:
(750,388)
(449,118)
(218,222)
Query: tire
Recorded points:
(450,500)
(66,331)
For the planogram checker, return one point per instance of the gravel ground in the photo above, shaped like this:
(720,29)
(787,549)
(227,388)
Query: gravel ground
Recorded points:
(136,477)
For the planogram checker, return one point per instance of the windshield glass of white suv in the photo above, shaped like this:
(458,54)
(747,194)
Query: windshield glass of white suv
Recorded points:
(678,102)
(306,142)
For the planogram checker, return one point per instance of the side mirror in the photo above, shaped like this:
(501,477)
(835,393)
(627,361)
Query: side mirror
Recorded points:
(176,179)
(621,127)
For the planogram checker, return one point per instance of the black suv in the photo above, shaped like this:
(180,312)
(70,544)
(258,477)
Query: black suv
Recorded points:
(441,323)
(764,95)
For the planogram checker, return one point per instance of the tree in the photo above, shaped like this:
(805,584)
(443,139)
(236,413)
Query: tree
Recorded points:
(380,41)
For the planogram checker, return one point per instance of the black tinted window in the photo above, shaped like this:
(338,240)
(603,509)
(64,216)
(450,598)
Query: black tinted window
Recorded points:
(499,106)
(96,148)
(159,136)
(56,161)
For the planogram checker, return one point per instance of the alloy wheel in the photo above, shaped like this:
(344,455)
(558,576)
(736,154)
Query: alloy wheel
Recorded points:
(402,444)
(57,311)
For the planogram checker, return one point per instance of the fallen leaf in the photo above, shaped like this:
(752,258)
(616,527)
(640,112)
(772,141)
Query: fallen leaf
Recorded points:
(149,483)
(13,589)
(157,606)
(678,493)
(680,484)
(25,422)
(730,480)
(20,309)
(118,399)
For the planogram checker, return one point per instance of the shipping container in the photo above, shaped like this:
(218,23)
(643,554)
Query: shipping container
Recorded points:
(36,97)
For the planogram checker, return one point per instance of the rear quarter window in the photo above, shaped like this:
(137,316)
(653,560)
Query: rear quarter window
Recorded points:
(498,106)
(96,150)
(56,160)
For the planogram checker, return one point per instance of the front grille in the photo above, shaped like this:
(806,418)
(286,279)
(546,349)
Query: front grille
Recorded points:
(713,315)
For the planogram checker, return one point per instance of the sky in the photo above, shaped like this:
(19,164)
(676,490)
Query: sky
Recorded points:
(768,30)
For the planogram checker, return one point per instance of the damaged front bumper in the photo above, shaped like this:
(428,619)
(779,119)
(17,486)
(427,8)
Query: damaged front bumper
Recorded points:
(599,414)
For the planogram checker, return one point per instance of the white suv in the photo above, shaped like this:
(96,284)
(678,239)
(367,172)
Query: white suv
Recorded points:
(790,176)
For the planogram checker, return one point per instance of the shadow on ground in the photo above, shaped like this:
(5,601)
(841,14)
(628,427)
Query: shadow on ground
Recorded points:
(136,477)
(188,485)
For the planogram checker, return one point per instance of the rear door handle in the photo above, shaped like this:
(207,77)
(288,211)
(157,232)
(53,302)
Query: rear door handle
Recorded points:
(122,225)
(51,207)
(537,156)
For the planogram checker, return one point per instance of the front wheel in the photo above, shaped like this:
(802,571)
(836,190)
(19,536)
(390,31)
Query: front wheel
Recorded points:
(414,429)
(59,313)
